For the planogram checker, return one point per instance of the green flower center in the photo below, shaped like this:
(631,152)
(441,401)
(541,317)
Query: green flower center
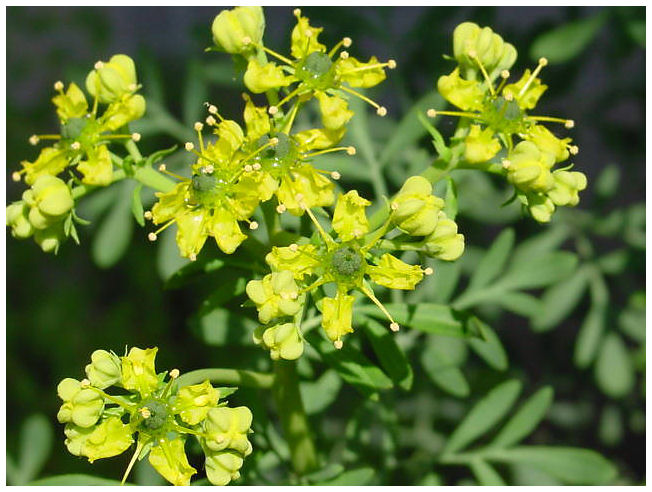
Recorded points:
(207,189)
(316,70)
(159,415)
(73,128)
(281,156)
(346,261)
(504,116)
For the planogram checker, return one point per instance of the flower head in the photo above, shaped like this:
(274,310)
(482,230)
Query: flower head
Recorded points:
(155,414)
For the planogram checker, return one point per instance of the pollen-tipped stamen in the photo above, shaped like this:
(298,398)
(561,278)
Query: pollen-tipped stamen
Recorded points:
(433,113)
(474,55)
(542,63)
(274,109)
(273,53)
(346,42)
(132,462)
(552,119)
(164,170)
(378,107)
(349,150)
(394,326)
(327,238)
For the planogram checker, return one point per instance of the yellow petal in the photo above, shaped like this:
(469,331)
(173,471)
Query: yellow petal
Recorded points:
(465,94)
(395,274)
(337,315)
(170,460)
(98,169)
(349,219)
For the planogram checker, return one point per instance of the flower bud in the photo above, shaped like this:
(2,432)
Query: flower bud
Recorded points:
(52,196)
(227,428)
(283,341)
(82,407)
(104,370)
(236,30)
(471,44)
(543,138)
(480,145)
(50,238)
(416,209)
(567,186)
(222,467)
(111,80)
(17,219)
(529,168)
(445,243)
(540,207)
(275,295)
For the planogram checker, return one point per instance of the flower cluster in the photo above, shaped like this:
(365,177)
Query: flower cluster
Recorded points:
(351,259)
(85,134)
(44,212)
(493,117)
(155,414)
(310,71)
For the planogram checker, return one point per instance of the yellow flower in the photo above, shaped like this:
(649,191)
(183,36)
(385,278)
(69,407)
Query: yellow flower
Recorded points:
(415,208)
(395,274)
(566,188)
(275,295)
(231,28)
(444,242)
(480,145)
(338,315)
(112,80)
(472,43)
(529,169)
(109,438)
(138,371)
(283,341)
(170,460)
(194,402)
(349,219)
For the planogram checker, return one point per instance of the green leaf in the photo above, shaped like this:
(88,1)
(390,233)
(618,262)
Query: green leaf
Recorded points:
(525,420)
(168,259)
(192,271)
(539,271)
(75,479)
(137,206)
(574,466)
(485,473)
(351,365)
(442,368)
(391,357)
(113,236)
(36,438)
(539,245)
(494,260)
(359,476)
(611,428)
(195,93)
(566,42)
(220,327)
(560,300)
(484,415)
(490,349)
(429,318)
(410,130)
(328,472)
(614,371)
(590,334)
(606,185)
(450,200)
(519,303)
(320,394)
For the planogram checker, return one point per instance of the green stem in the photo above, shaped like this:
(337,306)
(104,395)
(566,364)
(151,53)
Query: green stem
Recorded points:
(293,417)
(231,377)
(135,154)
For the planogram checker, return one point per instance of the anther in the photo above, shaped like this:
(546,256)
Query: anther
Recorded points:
(75,146)
(33,140)
(394,206)
(344,55)
(189,146)
(573,149)
(210,121)
(192,257)
(506,163)
(281,208)
(145,412)
(569,124)
(132,87)
(543,61)
(220,439)
(335,175)
(273,141)
(431,113)
(508,96)
(174,373)
(351,149)
(504,74)
(212,109)
(381,111)
(297,12)
(308,33)
(294,247)
(58,86)
(338,344)
(135,137)
(15,176)
(162,167)
(347,42)
(473,54)
(84,383)
(152,236)
(148,215)
(248,168)
(99,65)
(428,271)
(199,126)
(391,64)
(253,225)
(272,110)
(394,326)
(257,167)
(246,40)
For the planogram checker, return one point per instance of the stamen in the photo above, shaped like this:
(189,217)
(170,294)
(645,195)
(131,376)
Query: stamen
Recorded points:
(271,143)
(346,42)
(569,124)
(344,55)
(145,412)
(293,247)
(257,167)
(189,146)
(566,123)
(33,140)
(174,373)
(135,137)
(85,383)
(391,64)
(509,96)
(58,86)
(192,257)
(474,55)
(133,87)
(199,126)
(75,146)
(139,448)
(542,63)
(573,149)
(152,236)
(285,60)
(212,109)
(290,118)
(162,168)
(428,271)
(349,150)
(338,344)
(160,229)
(335,175)
(325,236)
(504,75)
(432,113)
(506,163)
(381,111)
(211,121)
(49,136)
(296,12)
(281,208)
(394,327)
(253,225)
(99,65)
(15,176)
(148,215)
(208,169)
(274,109)
(369,293)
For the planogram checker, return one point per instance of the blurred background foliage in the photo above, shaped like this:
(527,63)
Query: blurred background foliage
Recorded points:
(565,309)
